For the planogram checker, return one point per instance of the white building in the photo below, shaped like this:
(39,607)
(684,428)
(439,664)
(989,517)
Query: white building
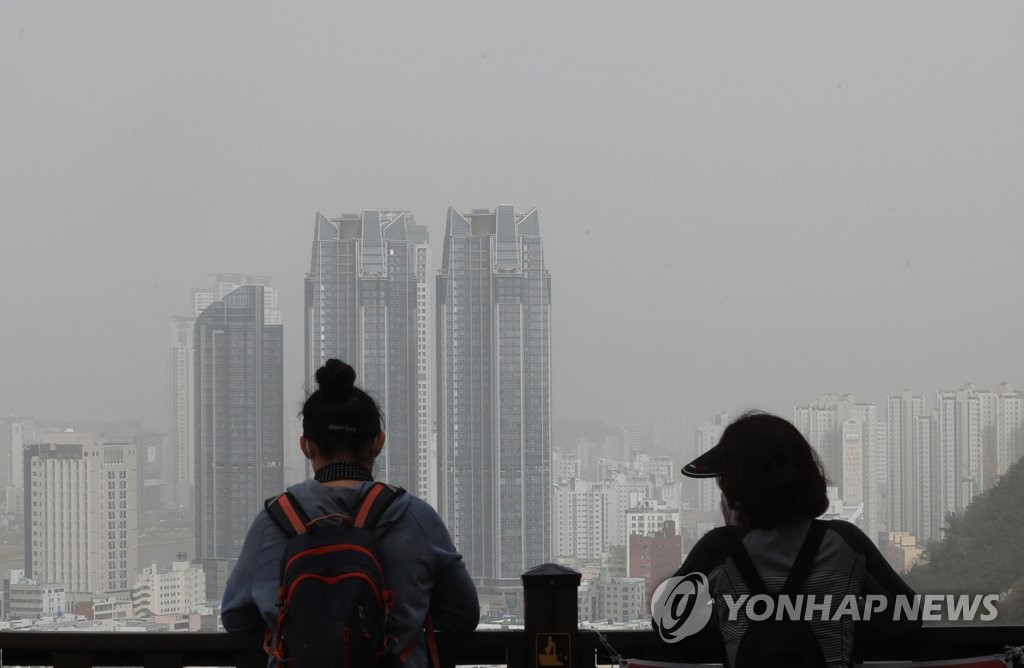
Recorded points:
(83,513)
(625,490)
(426,431)
(581,519)
(161,592)
(819,423)
(852,490)
(649,517)
(708,435)
(565,466)
(30,599)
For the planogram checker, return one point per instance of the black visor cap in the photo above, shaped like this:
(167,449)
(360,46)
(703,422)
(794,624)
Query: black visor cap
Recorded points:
(707,465)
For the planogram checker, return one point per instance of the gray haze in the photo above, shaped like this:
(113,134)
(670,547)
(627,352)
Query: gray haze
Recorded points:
(742,205)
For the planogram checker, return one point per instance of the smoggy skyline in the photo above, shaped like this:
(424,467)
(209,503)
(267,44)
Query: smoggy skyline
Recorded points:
(741,206)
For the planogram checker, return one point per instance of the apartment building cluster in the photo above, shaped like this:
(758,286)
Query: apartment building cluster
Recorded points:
(619,523)
(915,463)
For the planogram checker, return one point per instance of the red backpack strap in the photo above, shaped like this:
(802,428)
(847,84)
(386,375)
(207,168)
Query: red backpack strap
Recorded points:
(435,656)
(431,638)
(287,514)
(371,507)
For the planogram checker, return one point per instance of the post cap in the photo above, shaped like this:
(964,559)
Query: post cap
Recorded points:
(551,575)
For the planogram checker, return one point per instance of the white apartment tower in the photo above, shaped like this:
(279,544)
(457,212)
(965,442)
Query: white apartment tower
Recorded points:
(819,423)
(902,413)
(852,488)
(82,507)
(426,433)
(580,519)
(708,434)
(1009,428)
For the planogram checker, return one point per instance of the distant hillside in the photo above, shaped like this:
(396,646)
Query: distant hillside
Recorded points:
(982,550)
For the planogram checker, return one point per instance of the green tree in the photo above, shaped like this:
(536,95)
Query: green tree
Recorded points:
(980,551)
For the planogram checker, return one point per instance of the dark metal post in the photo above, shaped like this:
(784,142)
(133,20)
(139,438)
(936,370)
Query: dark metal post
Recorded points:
(550,609)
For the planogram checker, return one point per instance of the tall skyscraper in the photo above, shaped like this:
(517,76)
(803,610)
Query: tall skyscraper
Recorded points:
(366,303)
(239,412)
(81,501)
(494,391)
(906,471)
(181,434)
(180,473)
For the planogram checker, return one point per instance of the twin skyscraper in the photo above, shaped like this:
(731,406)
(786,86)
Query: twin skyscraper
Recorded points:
(462,371)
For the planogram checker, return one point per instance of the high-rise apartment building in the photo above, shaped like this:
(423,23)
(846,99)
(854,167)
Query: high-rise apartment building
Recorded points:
(239,413)
(493,304)
(1009,428)
(367,303)
(708,435)
(905,469)
(960,446)
(819,423)
(581,519)
(81,504)
(181,432)
(180,464)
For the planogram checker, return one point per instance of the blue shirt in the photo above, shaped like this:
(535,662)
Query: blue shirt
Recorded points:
(421,566)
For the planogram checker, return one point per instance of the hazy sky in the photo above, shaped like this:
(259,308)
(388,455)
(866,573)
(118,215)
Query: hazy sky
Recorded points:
(742,204)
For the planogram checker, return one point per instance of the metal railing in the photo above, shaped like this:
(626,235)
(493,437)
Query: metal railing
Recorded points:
(550,612)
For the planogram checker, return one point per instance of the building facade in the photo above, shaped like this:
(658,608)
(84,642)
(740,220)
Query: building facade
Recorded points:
(655,557)
(493,305)
(179,475)
(367,303)
(81,504)
(180,590)
(239,413)
(29,599)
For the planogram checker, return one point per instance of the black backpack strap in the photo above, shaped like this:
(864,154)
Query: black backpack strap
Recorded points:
(373,503)
(797,574)
(741,559)
(805,558)
(287,514)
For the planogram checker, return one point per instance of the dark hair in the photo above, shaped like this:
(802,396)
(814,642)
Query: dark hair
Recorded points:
(769,472)
(339,417)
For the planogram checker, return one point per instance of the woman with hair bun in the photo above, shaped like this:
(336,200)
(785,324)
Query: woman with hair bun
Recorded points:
(342,435)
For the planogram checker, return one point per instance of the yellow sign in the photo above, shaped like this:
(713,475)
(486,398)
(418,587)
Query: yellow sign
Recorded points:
(553,650)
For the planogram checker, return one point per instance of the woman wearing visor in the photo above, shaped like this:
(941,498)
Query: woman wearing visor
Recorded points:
(773,489)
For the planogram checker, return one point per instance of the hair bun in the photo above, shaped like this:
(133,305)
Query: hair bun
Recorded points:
(336,379)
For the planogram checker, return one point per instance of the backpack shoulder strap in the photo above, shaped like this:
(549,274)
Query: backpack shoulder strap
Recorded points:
(371,507)
(805,558)
(287,514)
(741,559)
